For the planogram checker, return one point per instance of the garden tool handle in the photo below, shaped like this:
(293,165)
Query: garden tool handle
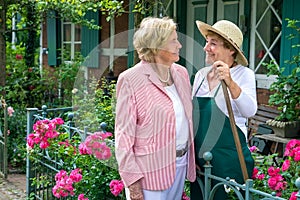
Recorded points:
(234,131)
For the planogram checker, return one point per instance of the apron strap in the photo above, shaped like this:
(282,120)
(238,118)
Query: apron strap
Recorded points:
(199,86)
(217,90)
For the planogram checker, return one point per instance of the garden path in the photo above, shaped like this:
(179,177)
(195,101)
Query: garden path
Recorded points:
(13,188)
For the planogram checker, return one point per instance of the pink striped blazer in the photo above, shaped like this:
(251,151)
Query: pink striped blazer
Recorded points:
(145,127)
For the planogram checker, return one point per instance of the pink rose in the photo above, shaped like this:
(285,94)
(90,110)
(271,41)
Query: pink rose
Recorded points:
(254,174)
(116,187)
(290,146)
(261,176)
(293,196)
(272,171)
(285,165)
(10,111)
(253,149)
(81,197)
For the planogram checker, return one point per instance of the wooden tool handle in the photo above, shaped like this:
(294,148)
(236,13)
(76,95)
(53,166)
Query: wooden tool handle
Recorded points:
(234,131)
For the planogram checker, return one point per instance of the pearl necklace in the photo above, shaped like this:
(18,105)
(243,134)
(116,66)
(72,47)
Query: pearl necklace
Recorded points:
(168,78)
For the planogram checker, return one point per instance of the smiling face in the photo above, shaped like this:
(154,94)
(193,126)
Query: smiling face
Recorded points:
(169,52)
(216,50)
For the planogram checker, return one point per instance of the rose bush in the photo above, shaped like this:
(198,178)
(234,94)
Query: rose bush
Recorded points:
(89,169)
(278,175)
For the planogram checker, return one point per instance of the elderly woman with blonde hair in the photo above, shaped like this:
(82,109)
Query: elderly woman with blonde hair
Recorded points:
(153,127)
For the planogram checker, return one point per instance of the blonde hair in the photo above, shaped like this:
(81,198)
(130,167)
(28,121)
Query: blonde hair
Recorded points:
(152,35)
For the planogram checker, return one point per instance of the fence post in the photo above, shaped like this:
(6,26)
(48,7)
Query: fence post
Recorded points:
(85,132)
(249,184)
(207,156)
(71,124)
(44,111)
(29,175)
(297,183)
(103,127)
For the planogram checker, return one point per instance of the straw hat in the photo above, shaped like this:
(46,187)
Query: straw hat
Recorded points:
(230,32)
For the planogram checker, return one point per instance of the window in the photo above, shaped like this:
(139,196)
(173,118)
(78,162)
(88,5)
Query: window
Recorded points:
(71,40)
(265,38)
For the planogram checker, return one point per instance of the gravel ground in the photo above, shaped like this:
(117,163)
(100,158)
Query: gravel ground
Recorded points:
(13,188)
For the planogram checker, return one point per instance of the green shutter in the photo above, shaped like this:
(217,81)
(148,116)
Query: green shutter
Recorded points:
(245,24)
(290,10)
(181,21)
(53,38)
(130,52)
(90,40)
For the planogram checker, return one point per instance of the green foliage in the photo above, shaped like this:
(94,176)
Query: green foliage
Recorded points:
(29,87)
(61,80)
(94,104)
(17,139)
(105,103)
(147,7)
(286,88)
(23,84)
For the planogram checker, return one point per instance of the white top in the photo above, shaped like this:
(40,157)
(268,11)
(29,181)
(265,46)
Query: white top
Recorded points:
(244,106)
(182,127)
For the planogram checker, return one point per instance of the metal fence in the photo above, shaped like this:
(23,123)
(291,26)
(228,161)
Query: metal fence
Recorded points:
(249,193)
(47,166)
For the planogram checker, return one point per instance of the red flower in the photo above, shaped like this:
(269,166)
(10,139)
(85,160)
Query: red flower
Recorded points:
(184,196)
(19,57)
(31,87)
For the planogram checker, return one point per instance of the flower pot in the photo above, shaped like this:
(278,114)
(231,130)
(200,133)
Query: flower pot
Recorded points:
(290,130)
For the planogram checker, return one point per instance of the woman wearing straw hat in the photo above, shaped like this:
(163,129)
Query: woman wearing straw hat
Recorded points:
(214,132)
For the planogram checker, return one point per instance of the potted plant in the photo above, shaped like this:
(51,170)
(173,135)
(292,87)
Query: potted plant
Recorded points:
(286,88)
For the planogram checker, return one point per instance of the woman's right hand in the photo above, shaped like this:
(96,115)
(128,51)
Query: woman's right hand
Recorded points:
(136,192)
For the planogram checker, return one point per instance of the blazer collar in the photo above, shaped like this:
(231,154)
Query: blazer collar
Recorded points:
(152,76)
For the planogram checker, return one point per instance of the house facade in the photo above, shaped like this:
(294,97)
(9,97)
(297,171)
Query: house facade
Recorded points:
(263,23)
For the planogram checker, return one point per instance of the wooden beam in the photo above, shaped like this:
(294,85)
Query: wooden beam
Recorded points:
(2,45)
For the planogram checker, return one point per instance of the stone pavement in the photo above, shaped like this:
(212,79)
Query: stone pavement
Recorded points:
(13,188)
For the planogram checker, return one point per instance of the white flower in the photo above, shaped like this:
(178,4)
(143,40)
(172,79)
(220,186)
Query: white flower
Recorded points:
(227,188)
(10,111)
(74,91)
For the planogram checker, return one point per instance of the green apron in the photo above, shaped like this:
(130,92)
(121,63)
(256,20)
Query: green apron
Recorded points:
(213,133)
